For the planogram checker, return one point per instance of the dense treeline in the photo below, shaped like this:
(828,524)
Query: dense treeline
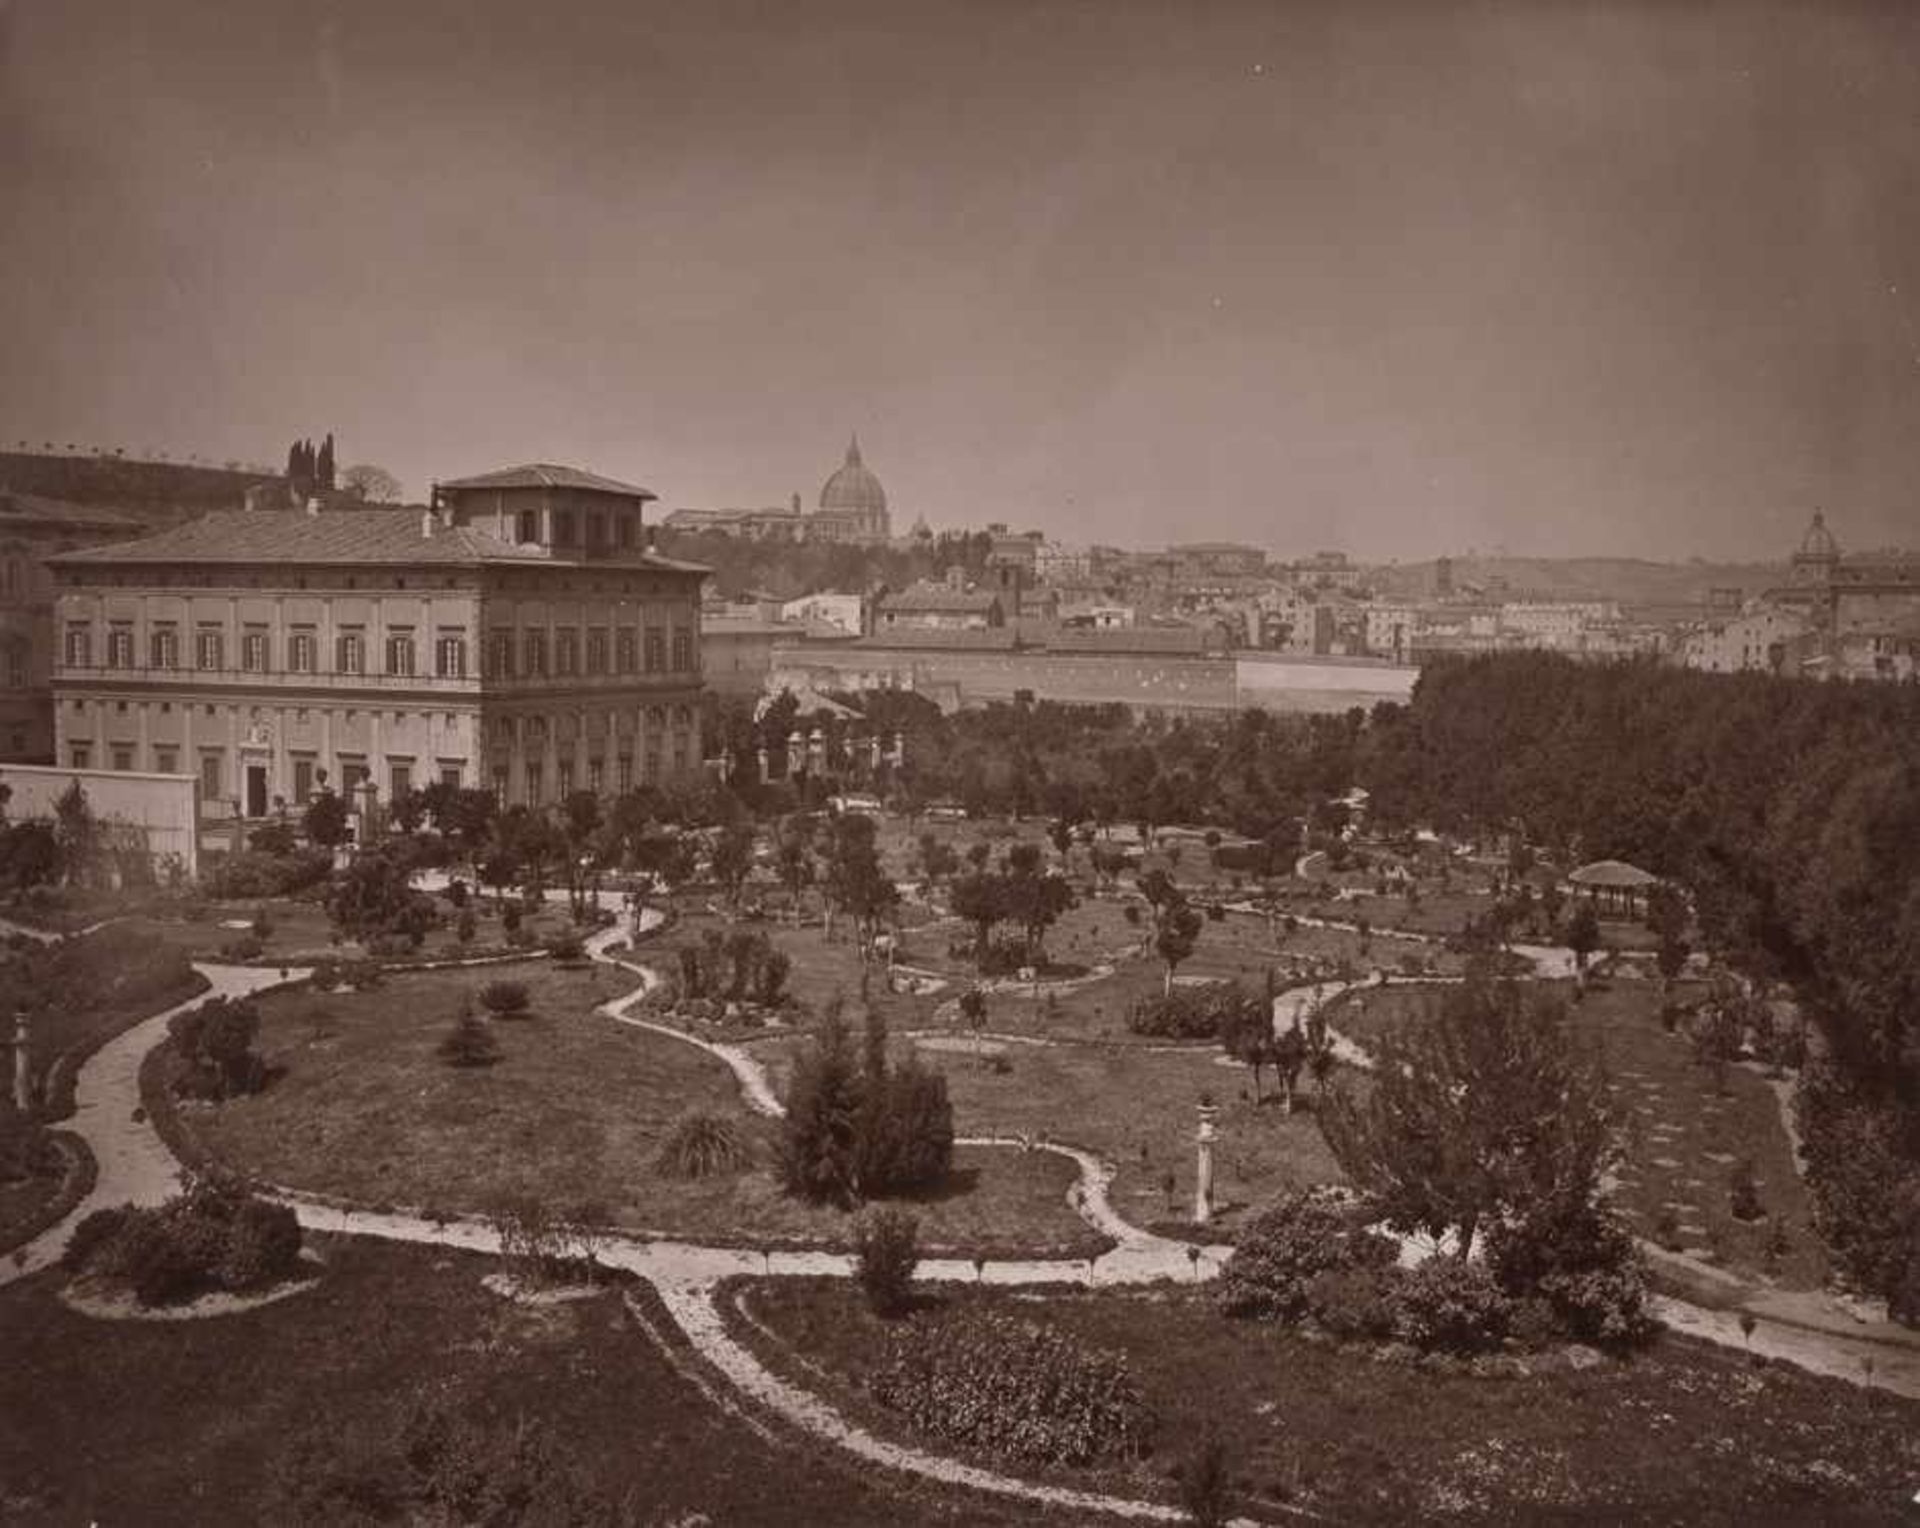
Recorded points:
(743,567)
(1791,809)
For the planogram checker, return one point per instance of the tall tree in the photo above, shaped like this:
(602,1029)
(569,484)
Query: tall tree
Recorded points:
(323,464)
(1482,1114)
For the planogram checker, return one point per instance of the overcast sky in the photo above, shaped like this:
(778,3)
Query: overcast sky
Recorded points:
(1400,279)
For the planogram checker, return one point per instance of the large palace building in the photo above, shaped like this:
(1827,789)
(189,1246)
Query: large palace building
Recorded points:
(519,634)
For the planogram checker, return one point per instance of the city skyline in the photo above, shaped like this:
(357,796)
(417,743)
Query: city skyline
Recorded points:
(1628,282)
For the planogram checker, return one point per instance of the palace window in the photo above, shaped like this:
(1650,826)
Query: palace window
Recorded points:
(123,759)
(450,657)
(656,649)
(350,653)
(210,772)
(623,772)
(566,652)
(302,781)
(682,650)
(253,652)
(597,650)
(500,655)
(302,652)
(209,648)
(399,778)
(625,523)
(535,650)
(166,761)
(17,653)
(120,647)
(79,650)
(79,755)
(400,654)
(535,785)
(596,775)
(626,650)
(563,780)
(563,527)
(529,526)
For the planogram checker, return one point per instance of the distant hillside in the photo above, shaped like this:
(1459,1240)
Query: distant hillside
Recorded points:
(157,493)
(1629,580)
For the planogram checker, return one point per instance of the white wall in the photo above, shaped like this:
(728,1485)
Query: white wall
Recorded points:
(164,807)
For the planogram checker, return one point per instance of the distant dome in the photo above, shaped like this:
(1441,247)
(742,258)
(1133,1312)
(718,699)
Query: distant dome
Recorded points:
(853,489)
(1818,541)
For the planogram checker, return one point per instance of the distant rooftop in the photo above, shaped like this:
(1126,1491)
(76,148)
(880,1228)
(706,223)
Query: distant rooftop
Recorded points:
(547,475)
(361,536)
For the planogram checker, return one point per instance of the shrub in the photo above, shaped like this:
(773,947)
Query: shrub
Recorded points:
(1189,1013)
(465,926)
(1280,1254)
(262,1246)
(886,1251)
(1449,1306)
(1204,1484)
(1012,1388)
(540,1245)
(240,951)
(470,1043)
(27,1150)
(257,874)
(566,948)
(504,998)
(1584,1264)
(905,1131)
(702,1145)
(211,1236)
(1354,1302)
(94,1232)
(214,1044)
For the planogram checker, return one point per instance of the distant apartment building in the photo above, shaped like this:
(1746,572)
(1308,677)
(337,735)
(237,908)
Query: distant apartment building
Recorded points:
(1556,623)
(518,635)
(949,606)
(847,612)
(1056,562)
(1204,561)
(1768,639)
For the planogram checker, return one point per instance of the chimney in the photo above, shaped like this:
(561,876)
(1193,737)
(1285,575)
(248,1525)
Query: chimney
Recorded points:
(426,524)
(313,504)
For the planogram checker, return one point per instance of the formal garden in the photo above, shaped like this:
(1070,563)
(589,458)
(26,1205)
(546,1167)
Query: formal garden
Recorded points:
(1335,1167)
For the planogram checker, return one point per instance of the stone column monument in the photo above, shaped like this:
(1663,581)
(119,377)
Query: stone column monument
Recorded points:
(1203,1167)
(22,1063)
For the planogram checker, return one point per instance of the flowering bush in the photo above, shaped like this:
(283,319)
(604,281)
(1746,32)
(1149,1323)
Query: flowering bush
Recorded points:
(213,1236)
(1013,1388)
(1280,1254)
(1448,1306)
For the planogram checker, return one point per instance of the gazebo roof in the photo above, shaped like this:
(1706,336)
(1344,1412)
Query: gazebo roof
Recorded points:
(1616,874)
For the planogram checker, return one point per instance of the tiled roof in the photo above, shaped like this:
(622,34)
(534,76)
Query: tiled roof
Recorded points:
(546,475)
(360,536)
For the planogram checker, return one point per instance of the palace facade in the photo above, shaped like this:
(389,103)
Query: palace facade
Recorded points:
(518,635)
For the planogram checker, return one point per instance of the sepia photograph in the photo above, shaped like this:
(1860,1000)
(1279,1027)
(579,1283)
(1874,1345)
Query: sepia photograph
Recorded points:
(959,762)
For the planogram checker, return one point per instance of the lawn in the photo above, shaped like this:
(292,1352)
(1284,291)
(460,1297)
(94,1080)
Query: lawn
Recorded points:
(1680,1433)
(1685,1128)
(575,1110)
(82,992)
(194,1422)
(1137,1108)
(301,931)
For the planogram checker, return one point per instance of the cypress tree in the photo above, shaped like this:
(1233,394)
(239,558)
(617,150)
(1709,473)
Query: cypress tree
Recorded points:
(823,1107)
(323,468)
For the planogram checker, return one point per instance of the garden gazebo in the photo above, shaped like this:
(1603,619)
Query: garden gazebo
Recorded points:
(1616,889)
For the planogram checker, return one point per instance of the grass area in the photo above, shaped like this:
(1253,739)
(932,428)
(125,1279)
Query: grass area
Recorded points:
(574,1111)
(1138,1109)
(99,985)
(1681,1433)
(1687,1125)
(302,932)
(42,1200)
(192,1422)
(821,970)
